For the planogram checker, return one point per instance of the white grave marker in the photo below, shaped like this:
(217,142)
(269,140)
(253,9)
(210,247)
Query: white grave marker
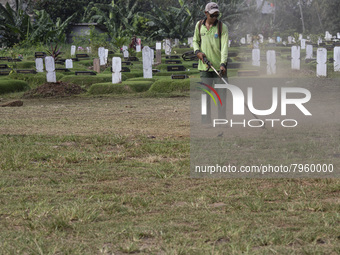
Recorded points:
(167,47)
(176,44)
(300,37)
(243,40)
(303,44)
(309,51)
(50,68)
(125,52)
(69,63)
(101,55)
(116,70)
(319,40)
(153,56)
(147,62)
(158,52)
(261,38)
(278,39)
(106,55)
(328,36)
(191,41)
(290,39)
(249,38)
(256,57)
(88,50)
(295,52)
(271,40)
(39,65)
(138,48)
(336,59)
(271,62)
(73,50)
(321,59)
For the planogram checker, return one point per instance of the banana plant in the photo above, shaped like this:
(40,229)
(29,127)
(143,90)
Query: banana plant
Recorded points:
(170,23)
(118,16)
(15,22)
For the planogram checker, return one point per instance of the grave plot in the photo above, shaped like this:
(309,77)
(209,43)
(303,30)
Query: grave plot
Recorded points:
(40,54)
(173,62)
(179,76)
(175,68)
(4,72)
(3,66)
(26,71)
(82,56)
(65,70)
(85,73)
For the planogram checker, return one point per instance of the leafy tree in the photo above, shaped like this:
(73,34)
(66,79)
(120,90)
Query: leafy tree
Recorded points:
(16,26)
(170,23)
(118,17)
(15,23)
(329,15)
(44,30)
(63,9)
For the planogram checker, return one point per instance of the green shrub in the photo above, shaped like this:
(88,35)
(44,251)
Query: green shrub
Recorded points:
(8,86)
(85,62)
(133,74)
(143,79)
(166,73)
(125,87)
(34,80)
(87,81)
(139,55)
(169,85)
(25,65)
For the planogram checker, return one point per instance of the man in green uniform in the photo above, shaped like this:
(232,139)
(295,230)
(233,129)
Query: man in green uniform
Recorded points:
(211,42)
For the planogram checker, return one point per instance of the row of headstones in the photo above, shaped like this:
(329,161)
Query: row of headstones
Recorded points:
(166,46)
(329,37)
(73,50)
(102,53)
(147,53)
(248,39)
(39,64)
(321,59)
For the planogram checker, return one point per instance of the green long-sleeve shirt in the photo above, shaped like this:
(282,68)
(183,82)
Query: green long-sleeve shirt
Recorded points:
(210,45)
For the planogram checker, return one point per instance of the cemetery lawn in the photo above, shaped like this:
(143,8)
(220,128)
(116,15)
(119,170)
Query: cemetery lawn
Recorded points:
(110,175)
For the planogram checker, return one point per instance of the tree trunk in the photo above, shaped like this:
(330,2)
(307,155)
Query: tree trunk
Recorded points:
(302,20)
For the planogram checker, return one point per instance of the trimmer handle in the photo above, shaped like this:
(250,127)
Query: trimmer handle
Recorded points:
(206,61)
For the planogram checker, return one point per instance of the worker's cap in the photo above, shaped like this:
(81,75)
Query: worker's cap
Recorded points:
(211,7)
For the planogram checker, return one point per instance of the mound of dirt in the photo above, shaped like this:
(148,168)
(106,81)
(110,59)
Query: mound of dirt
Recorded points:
(58,89)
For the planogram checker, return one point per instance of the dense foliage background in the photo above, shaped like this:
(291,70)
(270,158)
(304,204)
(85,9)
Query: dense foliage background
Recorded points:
(44,21)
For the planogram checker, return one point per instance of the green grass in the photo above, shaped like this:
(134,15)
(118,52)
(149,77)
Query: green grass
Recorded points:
(110,175)
(34,80)
(124,87)
(87,81)
(169,85)
(8,86)
(113,194)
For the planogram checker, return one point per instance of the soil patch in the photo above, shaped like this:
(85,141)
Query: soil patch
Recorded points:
(57,89)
